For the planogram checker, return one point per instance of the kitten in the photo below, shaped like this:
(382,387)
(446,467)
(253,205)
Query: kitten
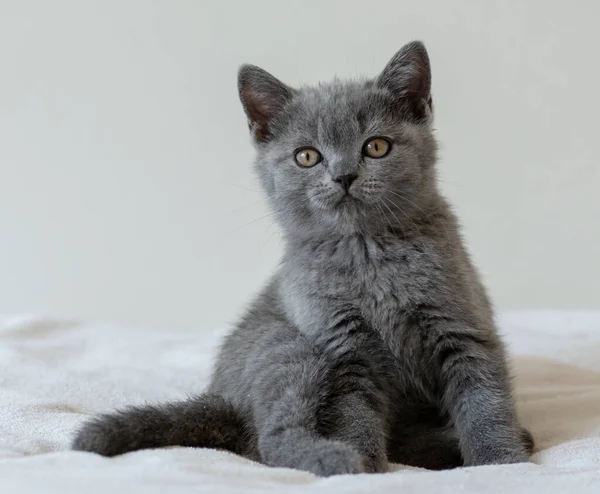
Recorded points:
(375,340)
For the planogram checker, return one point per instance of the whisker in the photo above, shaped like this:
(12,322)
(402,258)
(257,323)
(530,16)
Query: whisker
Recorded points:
(397,220)
(385,219)
(423,244)
(404,198)
(397,206)
(235,210)
(244,188)
(268,215)
(273,233)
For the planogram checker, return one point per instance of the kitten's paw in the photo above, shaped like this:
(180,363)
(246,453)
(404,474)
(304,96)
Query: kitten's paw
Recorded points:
(508,458)
(332,458)
(376,464)
(527,439)
(498,456)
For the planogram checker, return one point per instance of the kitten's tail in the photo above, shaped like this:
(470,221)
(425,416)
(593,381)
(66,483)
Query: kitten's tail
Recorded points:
(206,421)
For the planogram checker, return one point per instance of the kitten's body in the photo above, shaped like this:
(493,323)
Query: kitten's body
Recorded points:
(375,339)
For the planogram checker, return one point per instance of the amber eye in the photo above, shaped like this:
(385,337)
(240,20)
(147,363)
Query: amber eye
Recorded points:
(377,147)
(308,157)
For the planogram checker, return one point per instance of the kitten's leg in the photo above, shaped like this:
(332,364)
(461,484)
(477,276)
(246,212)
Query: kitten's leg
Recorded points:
(355,421)
(476,390)
(423,437)
(289,393)
(426,447)
(359,389)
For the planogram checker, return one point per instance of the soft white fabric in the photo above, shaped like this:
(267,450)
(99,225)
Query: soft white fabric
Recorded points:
(54,374)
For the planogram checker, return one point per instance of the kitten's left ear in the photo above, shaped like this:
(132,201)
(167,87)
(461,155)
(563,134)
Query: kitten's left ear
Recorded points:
(407,76)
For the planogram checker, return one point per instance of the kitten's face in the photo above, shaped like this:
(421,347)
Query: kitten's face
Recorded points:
(346,156)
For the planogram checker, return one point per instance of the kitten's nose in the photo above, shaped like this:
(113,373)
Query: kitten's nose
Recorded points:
(346,180)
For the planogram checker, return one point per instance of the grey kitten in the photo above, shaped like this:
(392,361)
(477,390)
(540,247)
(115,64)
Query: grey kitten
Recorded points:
(375,340)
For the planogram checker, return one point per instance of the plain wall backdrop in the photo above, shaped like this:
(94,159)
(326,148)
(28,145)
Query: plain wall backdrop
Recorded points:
(126,188)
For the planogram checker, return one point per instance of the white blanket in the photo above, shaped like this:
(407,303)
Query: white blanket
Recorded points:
(55,374)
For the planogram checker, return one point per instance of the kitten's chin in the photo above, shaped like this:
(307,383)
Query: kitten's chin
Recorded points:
(345,214)
(348,216)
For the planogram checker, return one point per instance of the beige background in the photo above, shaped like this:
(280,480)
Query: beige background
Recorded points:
(126,191)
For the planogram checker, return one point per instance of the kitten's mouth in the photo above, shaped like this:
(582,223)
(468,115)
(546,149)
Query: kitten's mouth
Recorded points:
(347,197)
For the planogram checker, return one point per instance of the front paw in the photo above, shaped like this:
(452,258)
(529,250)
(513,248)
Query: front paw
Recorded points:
(376,464)
(332,458)
(497,455)
(505,458)
(527,439)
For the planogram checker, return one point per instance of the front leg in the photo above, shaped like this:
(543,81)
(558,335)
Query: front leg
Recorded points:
(289,388)
(476,390)
(359,386)
(358,378)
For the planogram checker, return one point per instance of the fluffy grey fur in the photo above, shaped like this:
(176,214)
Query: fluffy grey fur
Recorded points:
(375,340)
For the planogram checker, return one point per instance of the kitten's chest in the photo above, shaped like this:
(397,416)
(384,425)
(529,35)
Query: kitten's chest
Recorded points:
(388,291)
(384,283)
(382,280)
(388,285)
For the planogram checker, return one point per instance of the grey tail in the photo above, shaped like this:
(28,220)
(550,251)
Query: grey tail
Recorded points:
(205,421)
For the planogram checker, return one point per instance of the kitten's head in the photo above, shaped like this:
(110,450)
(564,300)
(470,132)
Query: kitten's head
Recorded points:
(345,156)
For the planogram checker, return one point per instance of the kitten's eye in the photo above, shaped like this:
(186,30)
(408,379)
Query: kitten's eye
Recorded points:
(308,157)
(377,147)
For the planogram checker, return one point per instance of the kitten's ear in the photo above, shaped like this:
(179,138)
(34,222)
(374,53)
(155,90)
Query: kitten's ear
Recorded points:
(263,96)
(407,76)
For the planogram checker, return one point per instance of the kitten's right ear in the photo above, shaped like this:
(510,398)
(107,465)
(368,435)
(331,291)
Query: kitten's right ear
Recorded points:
(263,97)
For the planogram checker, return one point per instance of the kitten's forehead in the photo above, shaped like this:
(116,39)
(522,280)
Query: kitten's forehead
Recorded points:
(336,94)
(335,112)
